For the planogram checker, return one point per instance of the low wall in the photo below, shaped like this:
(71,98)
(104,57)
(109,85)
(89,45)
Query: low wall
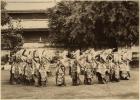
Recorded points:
(34,45)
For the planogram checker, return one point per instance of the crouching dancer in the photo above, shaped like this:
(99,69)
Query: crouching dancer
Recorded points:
(124,71)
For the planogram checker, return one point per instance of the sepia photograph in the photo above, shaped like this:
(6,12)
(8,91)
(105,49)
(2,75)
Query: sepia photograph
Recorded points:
(69,49)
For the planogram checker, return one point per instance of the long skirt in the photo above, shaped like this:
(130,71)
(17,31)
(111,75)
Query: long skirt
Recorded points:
(29,80)
(60,80)
(87,80)
(36,81)
(102,78)
(114,76)
(12,79)
(75,79)
(44,83)
(17,78)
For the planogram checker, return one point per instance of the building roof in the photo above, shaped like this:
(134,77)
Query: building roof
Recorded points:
(29,24)
(30,5)
(36,1)
(25,11)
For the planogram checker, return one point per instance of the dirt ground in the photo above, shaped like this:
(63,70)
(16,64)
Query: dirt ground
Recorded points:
(125,89)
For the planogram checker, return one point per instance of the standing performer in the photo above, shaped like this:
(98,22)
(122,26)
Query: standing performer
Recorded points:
(60,74)
(124,66)
(22,65)
(28,72)
(17,71)
(12,62)
(43,70)
(75,72)
(14,78)
(36,74)
(101,72)
(88,74)
(43,75)
(115,68)
(114,71)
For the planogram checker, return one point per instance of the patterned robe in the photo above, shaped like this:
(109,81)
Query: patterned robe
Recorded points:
(60,75)
(43,74)
(88,74)
(115,69)
(28,71)
(36,74)
(75,72)
(124,71)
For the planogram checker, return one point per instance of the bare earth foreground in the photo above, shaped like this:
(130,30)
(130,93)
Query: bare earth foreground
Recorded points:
(125,89)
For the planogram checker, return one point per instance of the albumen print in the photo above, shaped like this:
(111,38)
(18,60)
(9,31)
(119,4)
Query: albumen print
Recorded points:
(60,49)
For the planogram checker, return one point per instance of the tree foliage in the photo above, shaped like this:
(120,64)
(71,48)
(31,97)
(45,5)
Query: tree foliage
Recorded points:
(94,23)
(12,35)
(4,16)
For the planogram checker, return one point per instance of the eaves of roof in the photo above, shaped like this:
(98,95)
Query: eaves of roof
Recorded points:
(29,29)
(26,11)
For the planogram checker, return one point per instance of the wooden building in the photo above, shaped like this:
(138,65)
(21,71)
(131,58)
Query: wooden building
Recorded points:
(33,18)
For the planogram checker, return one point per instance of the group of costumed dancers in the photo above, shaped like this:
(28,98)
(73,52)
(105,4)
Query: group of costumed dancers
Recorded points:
(33,67)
